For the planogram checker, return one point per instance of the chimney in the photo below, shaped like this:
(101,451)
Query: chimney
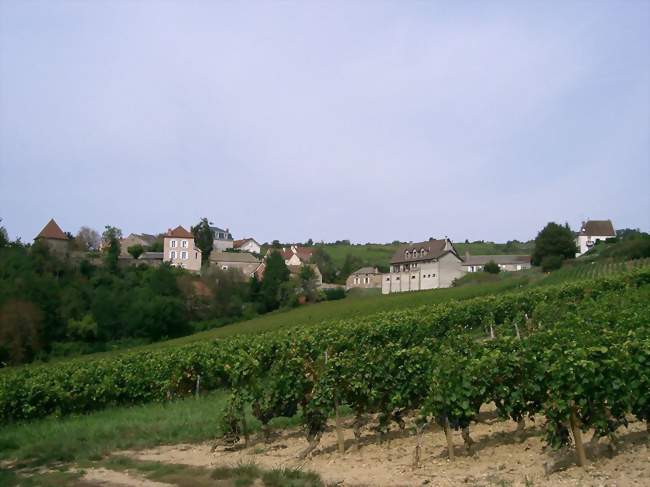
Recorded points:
(467,255)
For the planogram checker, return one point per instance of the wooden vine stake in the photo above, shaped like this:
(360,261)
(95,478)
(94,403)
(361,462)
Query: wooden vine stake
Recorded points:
(340,440)
(450,440)
(244,426)
(577,438)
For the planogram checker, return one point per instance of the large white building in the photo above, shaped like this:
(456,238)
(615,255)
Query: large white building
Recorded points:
(591,232)
(423,265)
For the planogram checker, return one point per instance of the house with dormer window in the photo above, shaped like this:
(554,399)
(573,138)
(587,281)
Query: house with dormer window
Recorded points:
(422,265)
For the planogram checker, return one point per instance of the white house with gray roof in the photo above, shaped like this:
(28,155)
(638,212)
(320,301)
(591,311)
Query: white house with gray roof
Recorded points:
(222,239)
(423,265)
(591,232)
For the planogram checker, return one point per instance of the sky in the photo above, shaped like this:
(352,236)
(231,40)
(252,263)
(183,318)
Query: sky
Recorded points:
(364,120)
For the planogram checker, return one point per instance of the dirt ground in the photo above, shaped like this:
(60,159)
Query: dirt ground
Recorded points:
(499,458)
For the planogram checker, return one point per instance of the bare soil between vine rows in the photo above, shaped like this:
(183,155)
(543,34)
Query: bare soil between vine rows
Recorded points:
(499,458)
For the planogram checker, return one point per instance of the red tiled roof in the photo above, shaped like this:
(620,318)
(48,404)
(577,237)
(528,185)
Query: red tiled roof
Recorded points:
(179,232)
(53,231)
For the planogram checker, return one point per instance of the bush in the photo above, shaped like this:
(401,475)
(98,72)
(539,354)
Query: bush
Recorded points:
(491,267)
(334,293)
(552,262)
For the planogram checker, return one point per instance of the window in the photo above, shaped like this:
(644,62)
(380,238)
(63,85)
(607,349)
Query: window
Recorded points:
(388,279)
(196,255)
(397,278)
(173,244)
(412,277)
(224,267)
(407,254)
(184,244)
(172,254)
(366,280)
(415,254)
(184,255)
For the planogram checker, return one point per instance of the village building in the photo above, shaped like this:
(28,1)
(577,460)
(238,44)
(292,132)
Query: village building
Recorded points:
(222,239)
(143,239)
(295,273)
(248,245)
(507,263)
(55,239)
(423,265)
(293,255)
(243,261)
(179,249)
(591,232)
(364,278)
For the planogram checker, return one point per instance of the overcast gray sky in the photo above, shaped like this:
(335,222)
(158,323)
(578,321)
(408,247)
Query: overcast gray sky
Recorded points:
(371,121)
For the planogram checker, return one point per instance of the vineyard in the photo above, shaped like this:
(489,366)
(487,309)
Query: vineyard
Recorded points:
(578,354)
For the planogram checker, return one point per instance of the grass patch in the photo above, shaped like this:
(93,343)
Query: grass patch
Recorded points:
(90,437)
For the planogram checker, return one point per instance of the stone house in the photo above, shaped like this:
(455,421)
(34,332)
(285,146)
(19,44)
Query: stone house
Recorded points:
(222,239)
(143,239)
(591,232)
(52,236)
(423,265)
(245,262)
(365,278)
(507,263)
(247,245)
(179,249)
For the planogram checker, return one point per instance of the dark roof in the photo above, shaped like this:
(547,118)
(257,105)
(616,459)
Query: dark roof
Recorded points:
(216,256)
(179,232)
(498,259)
(218,230)
(598,228)
(151,255)
(52,231)
(367,270)
(433,249)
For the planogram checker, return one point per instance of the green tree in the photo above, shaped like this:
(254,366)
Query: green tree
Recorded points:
(554,239)
(491,267)
(111,238)
(83,329)
(4,238)
(135,250)
(307,283)
(351,264)
(325,264)
(276,274)
(204,239)
(20,323)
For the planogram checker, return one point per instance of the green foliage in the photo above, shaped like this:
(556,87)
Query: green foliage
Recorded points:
(556,240)
(491,267)
(203,238)
(135,250)
(272,294)
(332,294)
(325,264)
(84,329)
(111,238)
(551,263)
(305,367)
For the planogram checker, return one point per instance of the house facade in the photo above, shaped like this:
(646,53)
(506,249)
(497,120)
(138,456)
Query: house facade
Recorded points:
(591,232)
(247,245)
(506,263)
(52,236)
(243,261)
(364,278)
(179,249)
(222,239)
(423,265)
